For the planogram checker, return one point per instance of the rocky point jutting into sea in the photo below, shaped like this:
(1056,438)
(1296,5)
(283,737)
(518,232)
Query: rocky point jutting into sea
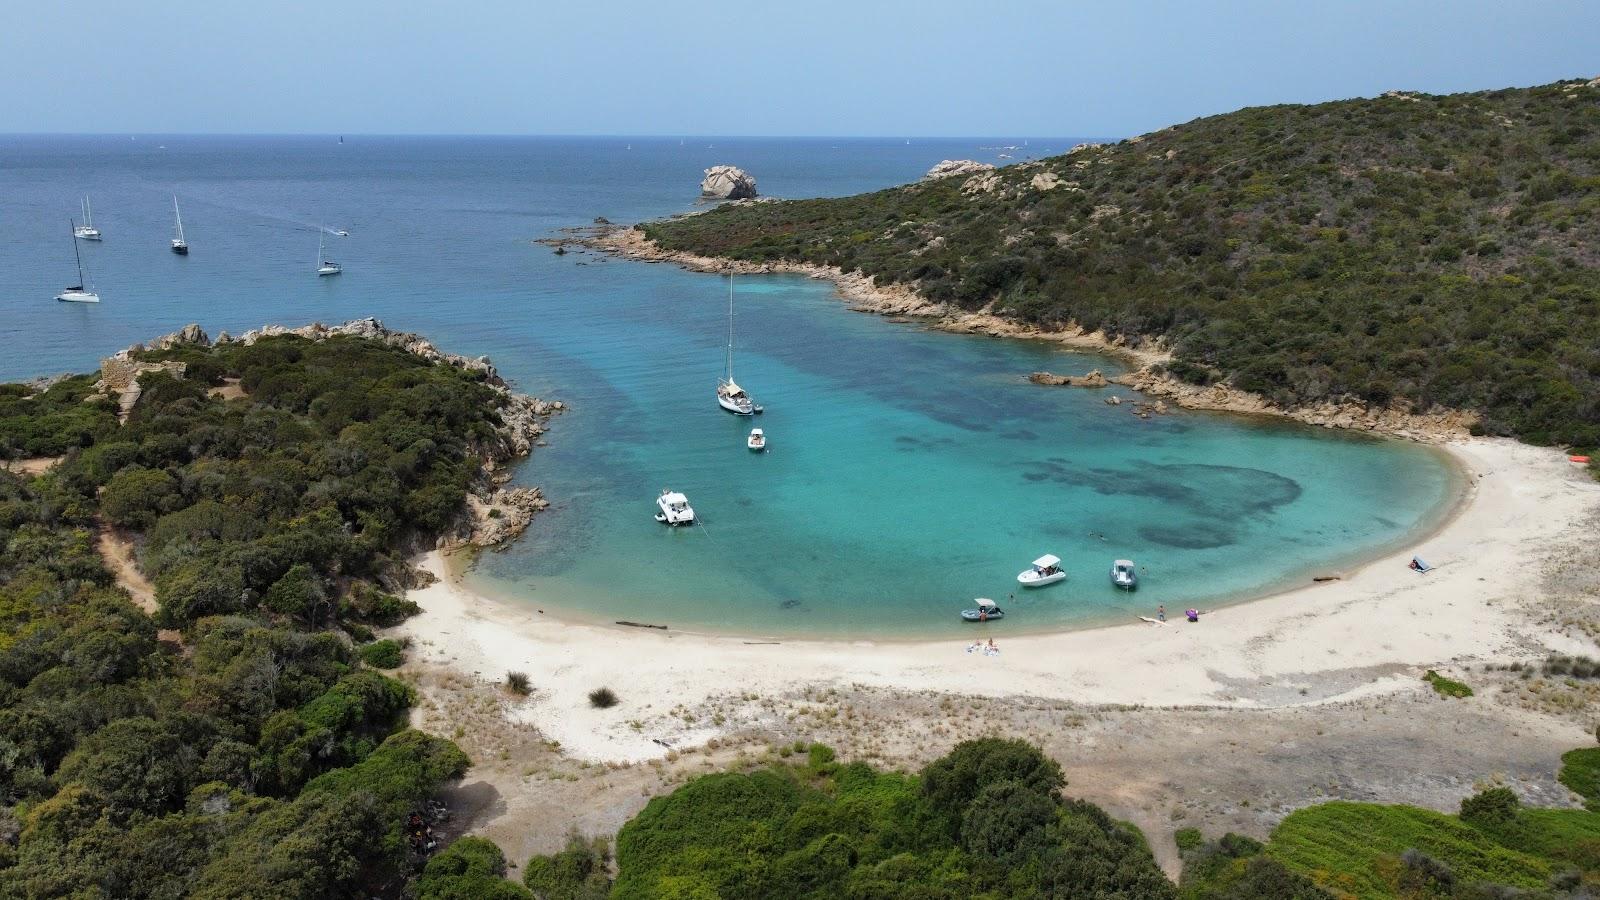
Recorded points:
(496,512)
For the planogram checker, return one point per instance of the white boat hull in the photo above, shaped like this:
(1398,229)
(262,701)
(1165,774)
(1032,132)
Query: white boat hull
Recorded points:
(734,406)
(82,235)
(78,297)
(669,516)
(1032,579)
(329,270)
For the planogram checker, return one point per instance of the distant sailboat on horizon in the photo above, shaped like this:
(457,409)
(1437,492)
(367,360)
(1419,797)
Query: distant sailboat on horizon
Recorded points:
(78,293)
(179,245)
(86,231)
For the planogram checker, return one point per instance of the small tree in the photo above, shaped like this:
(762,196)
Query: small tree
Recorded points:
(1491,807)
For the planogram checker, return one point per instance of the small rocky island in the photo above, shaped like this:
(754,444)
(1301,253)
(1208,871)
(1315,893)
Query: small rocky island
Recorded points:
(728,183)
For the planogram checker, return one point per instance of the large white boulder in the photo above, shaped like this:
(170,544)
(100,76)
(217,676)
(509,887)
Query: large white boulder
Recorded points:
(727,183)
(952,167)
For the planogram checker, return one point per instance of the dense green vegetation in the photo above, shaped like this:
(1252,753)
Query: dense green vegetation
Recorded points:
(987,821)
(1580,771)
(255,755)
(1494,848)
(54,421)
(1438,250)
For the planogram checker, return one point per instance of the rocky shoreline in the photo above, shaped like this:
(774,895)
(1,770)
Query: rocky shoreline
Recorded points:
(494,513)
(1148,359)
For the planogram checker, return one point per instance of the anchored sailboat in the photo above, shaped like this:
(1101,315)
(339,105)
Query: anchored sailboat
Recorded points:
(179,245)
(78,293)
(86,231)
(730,396)
(325,266)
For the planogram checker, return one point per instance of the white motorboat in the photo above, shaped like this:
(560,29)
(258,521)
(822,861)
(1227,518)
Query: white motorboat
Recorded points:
(675,509)
(1046,570)
(342,233)
(325,266)
(78,293)
(986,611)
(757,440)
(730,396)
(1123,574)
(86,231)
(179,245)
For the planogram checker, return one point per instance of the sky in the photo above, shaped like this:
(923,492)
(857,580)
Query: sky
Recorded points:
(814,67)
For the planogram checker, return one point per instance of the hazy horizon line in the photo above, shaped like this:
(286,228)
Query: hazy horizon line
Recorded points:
(489,134)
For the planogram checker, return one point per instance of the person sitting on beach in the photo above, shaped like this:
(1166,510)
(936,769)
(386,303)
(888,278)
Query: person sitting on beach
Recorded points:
(1193,614)
(991,645)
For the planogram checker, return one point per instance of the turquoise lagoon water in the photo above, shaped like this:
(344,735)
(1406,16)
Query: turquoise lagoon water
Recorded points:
(909,470)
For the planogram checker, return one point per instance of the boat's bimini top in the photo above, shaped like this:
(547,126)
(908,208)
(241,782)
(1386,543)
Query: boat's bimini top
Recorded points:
(984,603)
(673,498)
(1123,564)
(1046,561)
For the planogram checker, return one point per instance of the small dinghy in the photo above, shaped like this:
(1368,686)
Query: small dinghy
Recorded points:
(1046,570)
(986,611)
(1123,574)
(757,441)
(675,509)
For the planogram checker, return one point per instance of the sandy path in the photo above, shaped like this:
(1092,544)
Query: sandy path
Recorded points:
(1365,635)
(117,551)
(35,465)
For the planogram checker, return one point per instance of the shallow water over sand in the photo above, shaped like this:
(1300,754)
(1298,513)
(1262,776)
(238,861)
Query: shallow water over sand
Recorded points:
(909,471)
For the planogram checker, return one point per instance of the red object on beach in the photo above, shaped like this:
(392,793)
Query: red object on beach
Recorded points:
(1579,459)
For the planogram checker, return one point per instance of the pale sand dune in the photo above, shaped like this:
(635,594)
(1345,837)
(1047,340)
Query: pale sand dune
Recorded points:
(1369,633)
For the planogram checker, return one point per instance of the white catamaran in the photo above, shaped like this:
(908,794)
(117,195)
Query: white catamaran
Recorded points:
(730,396)
(179,245)
(78,293)
(325,266)
(86,231)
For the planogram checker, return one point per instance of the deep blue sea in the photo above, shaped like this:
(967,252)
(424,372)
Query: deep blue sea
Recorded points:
(909,470)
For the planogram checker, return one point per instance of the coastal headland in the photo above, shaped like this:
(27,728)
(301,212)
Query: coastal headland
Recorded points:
(1146,361)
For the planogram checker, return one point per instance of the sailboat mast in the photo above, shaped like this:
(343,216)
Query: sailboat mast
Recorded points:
(177,216)
(730,326)
(73,230)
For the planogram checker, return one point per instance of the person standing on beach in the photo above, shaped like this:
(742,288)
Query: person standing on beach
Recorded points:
(1161,612)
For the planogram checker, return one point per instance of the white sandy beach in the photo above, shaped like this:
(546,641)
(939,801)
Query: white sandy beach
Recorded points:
(1372,631)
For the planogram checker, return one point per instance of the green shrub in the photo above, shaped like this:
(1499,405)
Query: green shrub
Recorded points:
(603,698)
(469,869)
(1188,839)
(1446,687)
(1492,806)
(384,654)
(578,872)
